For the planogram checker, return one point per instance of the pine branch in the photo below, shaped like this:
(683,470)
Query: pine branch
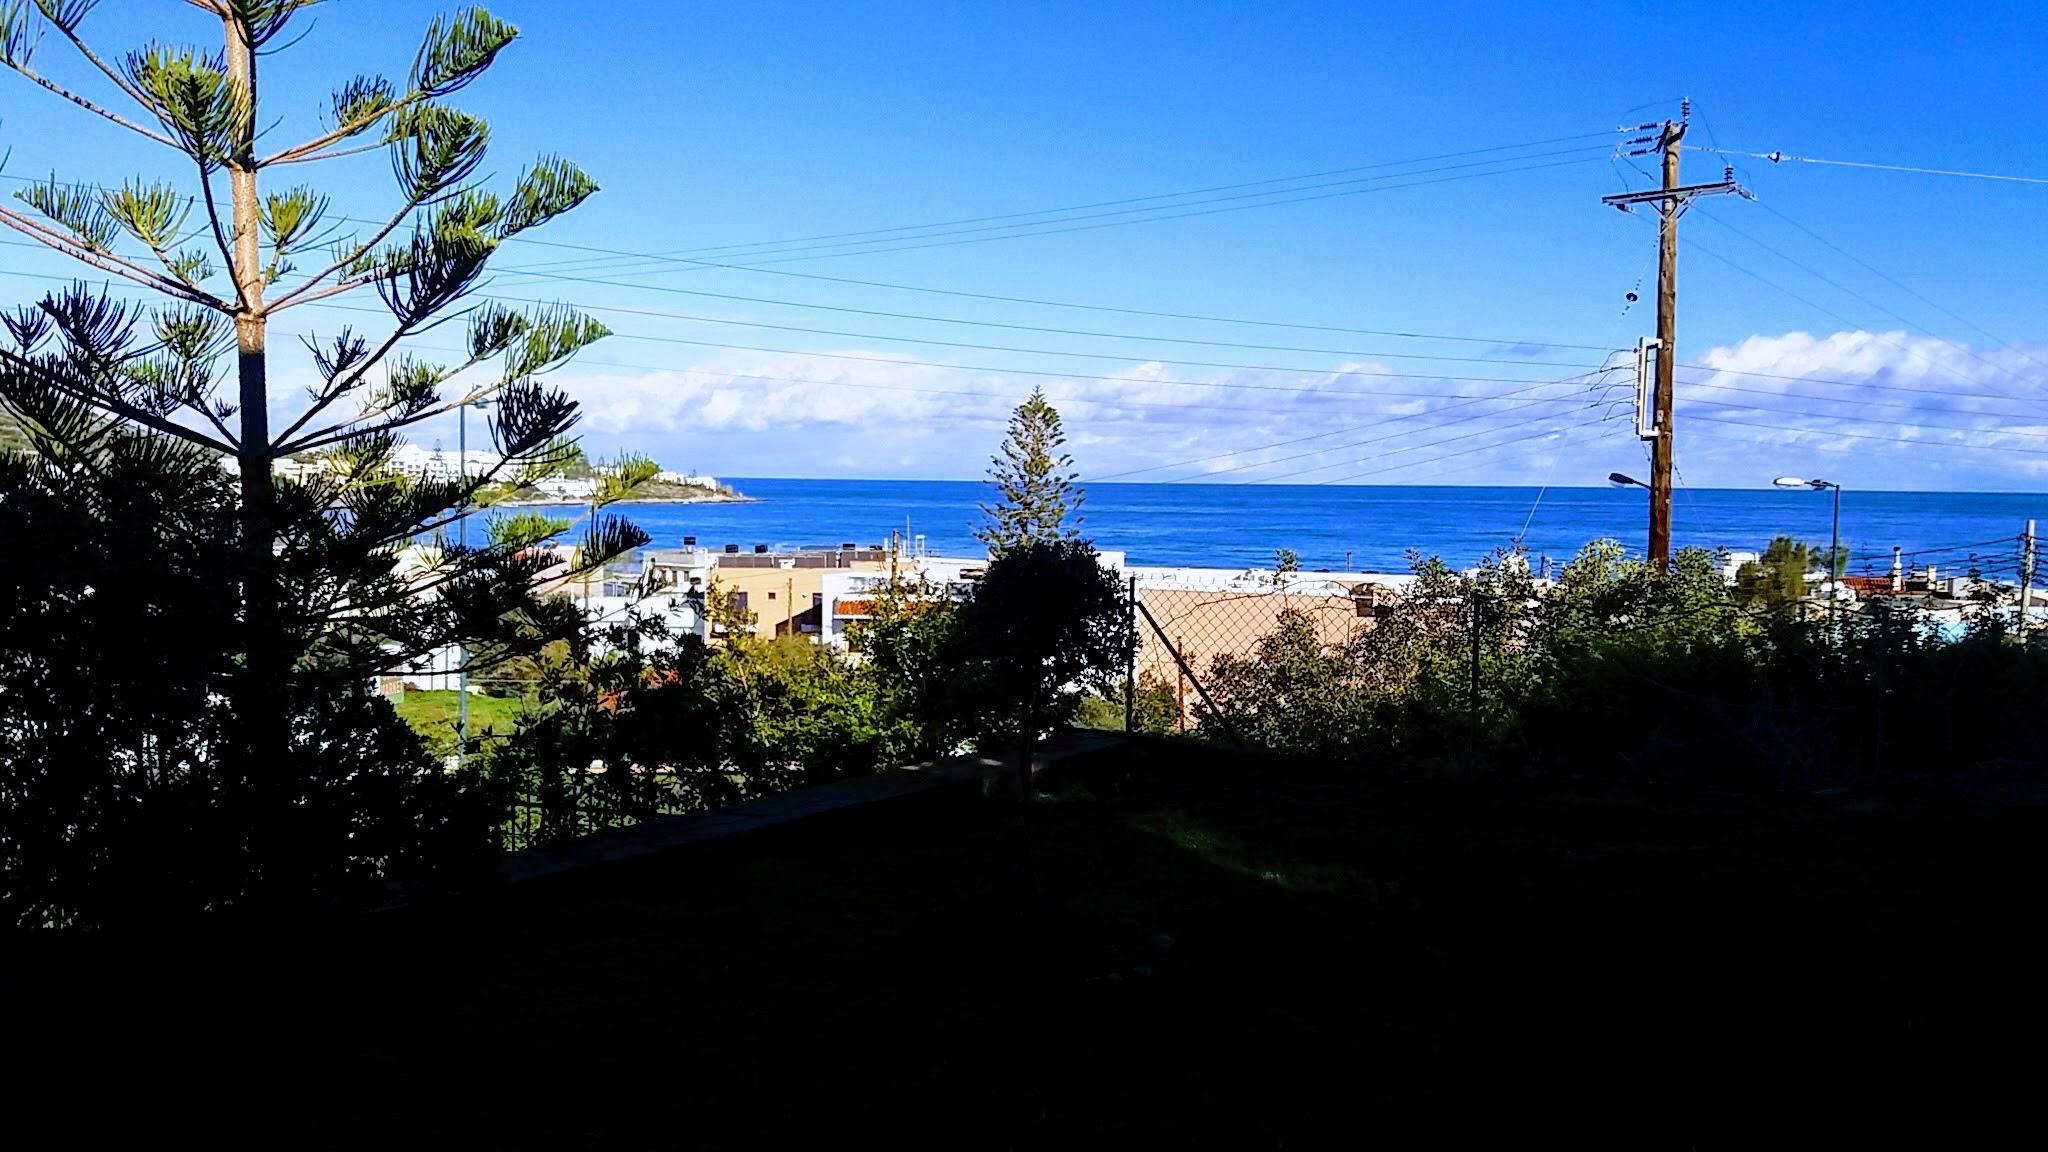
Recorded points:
(454,52)
(70,31)
(107,403)
(336,433)
(220,236)
(305,293)
(312,150)
(338,153)
(330,391)
(151,215)
(106,113)
(104,261)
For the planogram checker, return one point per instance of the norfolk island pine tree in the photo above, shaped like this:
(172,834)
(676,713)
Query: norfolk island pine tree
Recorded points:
(1034,482)
(320,588)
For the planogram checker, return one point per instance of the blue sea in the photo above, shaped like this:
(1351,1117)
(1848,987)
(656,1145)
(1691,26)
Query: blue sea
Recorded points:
(1363,528)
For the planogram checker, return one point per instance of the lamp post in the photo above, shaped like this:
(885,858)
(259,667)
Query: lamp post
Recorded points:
(462,537)
(1834,533)
(1624,480)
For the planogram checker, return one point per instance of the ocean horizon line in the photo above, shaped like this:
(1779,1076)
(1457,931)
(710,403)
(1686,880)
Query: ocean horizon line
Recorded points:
(1085,484)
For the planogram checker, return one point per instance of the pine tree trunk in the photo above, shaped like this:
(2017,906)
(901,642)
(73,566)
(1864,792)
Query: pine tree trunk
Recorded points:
(266,663)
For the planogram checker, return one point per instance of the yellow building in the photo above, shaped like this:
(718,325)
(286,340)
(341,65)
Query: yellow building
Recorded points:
(783,591)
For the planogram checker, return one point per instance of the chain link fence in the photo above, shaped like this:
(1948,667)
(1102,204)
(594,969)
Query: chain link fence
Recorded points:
(1199,630)
(1189,620)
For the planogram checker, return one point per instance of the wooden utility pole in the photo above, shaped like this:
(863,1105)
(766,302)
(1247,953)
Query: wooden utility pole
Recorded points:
(1671,200)
(1667,349)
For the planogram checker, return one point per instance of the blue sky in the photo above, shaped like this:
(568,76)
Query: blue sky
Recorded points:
(1905,309)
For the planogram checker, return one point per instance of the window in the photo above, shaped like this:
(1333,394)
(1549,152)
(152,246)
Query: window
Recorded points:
(817,599)
(739,601)
(771,595)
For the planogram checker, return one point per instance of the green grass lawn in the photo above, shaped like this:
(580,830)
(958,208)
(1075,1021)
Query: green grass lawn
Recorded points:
(1177,948)
(433,716)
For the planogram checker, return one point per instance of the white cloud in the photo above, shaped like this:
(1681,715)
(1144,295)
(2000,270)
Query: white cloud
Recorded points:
(1884,409)
(1869,407)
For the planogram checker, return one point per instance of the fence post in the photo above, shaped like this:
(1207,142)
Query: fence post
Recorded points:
(1180,689)
(1131,666)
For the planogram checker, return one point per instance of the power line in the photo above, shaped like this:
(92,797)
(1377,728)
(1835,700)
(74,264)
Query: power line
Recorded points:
(1376,440)
(1864,436)
(1853,402)
(1887,278)
(1784,158)
(1538,435)
(1056,331)
(1870,419)
(1409,448)
(1215,319)
(1150,313)
(1173,210)
(783,259)
(1846,290)
(1356,428)
(1092,333)
(675,254)
(1305,439)
(1379,393)
(1516,361)
(1012,398)
(1564,435)
(992,297)
(1114,335)
(1882,337)
(976,347)
(1015,371)
(1967,394)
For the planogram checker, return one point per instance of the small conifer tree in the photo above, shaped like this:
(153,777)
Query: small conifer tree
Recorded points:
(1037,500)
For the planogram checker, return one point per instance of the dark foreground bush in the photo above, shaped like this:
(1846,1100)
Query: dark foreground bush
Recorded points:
(1616,674)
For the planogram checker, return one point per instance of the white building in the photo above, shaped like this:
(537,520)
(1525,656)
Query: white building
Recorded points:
(290,468)
(443,464)
(848,597)
(1733,563)
(567,487)
(679,614)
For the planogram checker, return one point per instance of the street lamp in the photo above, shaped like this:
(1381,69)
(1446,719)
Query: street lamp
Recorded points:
(1621,481)
(462,537)
(1834,534)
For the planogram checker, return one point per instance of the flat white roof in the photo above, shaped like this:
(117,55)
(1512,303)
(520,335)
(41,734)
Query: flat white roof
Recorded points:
(1260,580)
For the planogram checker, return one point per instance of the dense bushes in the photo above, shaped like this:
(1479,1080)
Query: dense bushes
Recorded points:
(1615,673)
(123,793)
(627,730)
(619,737)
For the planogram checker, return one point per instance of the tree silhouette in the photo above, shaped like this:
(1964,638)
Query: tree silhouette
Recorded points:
(1046,617)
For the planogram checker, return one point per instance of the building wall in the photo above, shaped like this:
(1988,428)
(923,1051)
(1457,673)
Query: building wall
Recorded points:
(1205,624)
(1207,612)
(849,595)
(774,595)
